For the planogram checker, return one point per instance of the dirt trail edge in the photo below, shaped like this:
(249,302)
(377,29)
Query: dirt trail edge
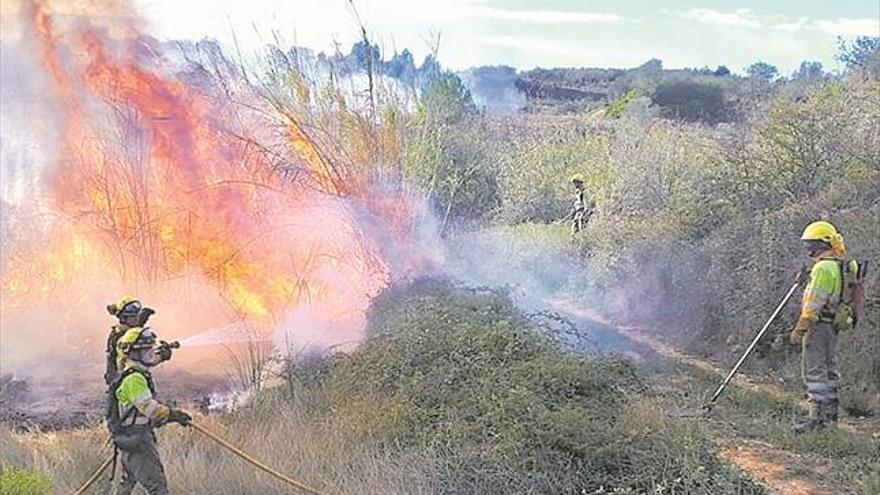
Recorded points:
(782,471)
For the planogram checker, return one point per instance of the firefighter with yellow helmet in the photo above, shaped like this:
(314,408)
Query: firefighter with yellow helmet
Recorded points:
(130,313)
(133,412)
(815,330)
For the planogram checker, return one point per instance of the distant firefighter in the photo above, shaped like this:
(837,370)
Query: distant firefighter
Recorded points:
(583,207)
(133,412)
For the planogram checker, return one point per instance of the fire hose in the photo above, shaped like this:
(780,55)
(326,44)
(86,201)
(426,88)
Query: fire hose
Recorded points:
(97,474)
(235,450)
(232,448)
(98,470)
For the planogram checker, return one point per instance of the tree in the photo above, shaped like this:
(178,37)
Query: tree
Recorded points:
(653,65)
(446,99)
(401,66)
(363,56)
(721,71)
(863,54)
(763,71)
(429,71)
(808,71)
(692,101)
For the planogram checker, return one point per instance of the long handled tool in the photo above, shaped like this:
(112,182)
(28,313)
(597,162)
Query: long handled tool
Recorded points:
(98,470)
(235,450)
(709,405)
(97,474)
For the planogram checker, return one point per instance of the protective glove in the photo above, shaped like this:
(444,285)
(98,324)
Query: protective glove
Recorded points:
(180,417)
(796,337)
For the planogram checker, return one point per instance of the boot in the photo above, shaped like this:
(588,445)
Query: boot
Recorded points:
(813,422)
(830,413)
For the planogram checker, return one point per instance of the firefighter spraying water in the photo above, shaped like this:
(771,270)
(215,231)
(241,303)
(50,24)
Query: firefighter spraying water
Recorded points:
(133,410)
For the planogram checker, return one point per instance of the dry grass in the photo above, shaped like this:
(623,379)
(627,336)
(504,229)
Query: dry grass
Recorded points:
(455,392)
(319,455)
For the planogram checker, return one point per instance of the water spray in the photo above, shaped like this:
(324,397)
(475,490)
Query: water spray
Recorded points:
(237,332)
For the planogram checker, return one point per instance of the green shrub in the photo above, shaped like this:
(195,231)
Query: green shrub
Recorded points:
(693,100)
(871,483)
(23,482)
(618,106)
(463,373)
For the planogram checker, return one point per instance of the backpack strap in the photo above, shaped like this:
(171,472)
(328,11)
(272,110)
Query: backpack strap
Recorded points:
(110,354)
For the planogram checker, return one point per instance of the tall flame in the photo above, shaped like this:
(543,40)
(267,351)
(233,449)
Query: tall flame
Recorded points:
(162,176)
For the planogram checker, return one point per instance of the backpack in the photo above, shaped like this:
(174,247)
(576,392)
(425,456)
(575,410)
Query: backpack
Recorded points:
(852,295)
(115,422)
(111,368)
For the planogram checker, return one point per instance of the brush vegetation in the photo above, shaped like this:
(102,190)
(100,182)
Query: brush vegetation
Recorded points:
(698,218)
(454,391)
(703,182)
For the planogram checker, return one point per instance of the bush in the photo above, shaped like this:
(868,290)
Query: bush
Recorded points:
(23,482)
(465,373)
(871,483)
(692,100)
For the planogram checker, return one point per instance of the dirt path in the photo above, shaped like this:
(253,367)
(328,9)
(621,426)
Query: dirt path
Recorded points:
(870,426)
(642,337)
(782,471)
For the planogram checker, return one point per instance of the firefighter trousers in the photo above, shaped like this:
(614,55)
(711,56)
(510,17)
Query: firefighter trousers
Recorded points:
(819,366)
(141,465)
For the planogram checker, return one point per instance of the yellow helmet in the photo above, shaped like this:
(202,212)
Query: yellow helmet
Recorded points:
(578,178)
(127,306)
(819,231)
(822,231)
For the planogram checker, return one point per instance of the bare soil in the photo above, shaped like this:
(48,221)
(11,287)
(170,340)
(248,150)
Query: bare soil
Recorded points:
(781,471)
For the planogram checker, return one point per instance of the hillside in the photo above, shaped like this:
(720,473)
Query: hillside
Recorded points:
(371,269)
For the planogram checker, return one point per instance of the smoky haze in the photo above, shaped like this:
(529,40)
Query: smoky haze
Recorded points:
(495,89)
(129,170)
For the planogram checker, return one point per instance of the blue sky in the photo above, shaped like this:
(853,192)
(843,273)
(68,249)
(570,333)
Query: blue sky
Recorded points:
(526,34)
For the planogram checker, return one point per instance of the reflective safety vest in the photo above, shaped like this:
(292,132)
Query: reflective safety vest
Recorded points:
(123,395)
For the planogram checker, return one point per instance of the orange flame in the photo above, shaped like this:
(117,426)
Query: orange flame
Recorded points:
(159,179)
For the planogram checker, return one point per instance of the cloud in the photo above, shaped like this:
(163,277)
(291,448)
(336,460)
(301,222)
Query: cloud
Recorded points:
(739,17)
(849,27)
(793,26)
(544,16)
(748,18)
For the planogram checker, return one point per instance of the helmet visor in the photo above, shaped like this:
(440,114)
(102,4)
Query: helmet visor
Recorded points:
(130,309)
(814,246)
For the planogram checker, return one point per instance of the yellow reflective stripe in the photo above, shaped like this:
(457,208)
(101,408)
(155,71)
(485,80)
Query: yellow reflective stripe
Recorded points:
(154,411)
(818,291)
(132,419)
